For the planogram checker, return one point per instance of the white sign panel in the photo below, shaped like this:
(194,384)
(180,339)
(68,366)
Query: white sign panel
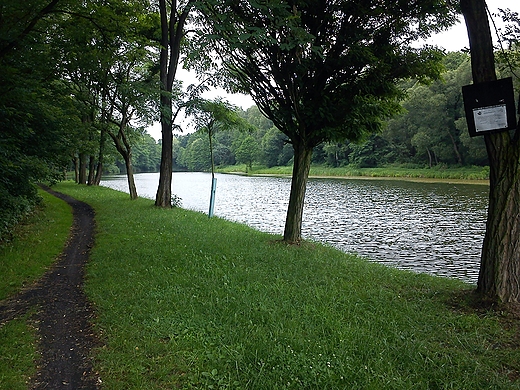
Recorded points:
(490,118)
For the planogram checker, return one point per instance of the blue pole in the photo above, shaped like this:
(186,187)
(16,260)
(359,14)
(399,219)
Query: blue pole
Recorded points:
(212,197)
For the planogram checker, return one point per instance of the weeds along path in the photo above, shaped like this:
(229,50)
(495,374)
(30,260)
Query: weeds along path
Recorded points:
(63,314)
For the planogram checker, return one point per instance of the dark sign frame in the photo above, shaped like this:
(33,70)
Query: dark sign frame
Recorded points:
(490,107)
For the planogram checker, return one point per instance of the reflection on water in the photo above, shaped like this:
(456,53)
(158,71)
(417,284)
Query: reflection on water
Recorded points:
(436,228)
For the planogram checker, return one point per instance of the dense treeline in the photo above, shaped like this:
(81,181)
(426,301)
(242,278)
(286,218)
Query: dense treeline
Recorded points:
(77,88)
(431,130)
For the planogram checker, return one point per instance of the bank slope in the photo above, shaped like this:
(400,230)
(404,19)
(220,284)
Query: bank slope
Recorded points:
(191,302)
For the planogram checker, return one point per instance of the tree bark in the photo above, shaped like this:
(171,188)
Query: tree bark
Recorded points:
(301,167)
(163,197)
(499,276)
(99,167)
(91,170)
(172,28)
(130,175)
(125,150)
(82,179)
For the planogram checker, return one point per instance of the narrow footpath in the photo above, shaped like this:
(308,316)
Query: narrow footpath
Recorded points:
(63,314)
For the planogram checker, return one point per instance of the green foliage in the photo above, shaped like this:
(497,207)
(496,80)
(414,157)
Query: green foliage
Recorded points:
(187,302)
(36,121)
(325,71)
(196,155)
(247,151)
(146,155)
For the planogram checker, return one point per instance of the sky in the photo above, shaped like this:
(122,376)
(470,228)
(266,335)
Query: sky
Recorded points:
(454,39)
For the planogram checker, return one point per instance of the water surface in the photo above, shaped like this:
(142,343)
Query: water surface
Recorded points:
(435,228)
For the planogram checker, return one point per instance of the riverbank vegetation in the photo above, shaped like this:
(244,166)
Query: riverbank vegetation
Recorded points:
(190,302)
(390,171)
(430,132)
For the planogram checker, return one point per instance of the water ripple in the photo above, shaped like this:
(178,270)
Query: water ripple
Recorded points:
(435,228)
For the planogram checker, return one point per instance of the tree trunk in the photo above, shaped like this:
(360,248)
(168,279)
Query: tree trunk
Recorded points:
(91,170)
(301,167)
(499,276)
(99,173)
(164,191)
(99,167)
(130,175)
(82,179)
(125,150)
(172,33)
(75,161)
(455,148)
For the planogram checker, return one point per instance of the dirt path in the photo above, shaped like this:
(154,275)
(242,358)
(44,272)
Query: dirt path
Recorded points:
(64,315)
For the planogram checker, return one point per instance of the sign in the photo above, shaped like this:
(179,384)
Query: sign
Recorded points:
(489,107)
(490,118)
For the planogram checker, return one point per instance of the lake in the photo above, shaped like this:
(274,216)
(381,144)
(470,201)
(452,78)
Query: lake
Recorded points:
(435,228)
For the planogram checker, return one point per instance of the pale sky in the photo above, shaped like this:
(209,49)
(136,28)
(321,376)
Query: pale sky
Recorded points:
(454,39)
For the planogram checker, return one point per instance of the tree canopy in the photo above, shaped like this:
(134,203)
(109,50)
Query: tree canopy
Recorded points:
(324,71)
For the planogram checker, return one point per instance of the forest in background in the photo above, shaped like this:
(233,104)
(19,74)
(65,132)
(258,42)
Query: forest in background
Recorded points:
(431,131)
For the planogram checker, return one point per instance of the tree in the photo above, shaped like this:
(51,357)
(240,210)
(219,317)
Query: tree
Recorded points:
(130,89)
(37,117)
(247,151)
(499,275)
(272,146)
(147,154)
(324,70)
(212,116)
(20,19)
(173,21)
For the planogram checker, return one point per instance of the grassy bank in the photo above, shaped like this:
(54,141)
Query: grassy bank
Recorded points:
(438,172)
(190,302)
(36,244)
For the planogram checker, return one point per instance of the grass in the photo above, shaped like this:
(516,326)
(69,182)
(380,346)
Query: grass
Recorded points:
(188,302)
(37,243)
(17,354)
(437,172)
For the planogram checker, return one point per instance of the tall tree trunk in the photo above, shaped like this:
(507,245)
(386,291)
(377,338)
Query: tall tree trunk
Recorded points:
(82,169)
(75,161)
(125,150)
(164,191)
(130,175)
(172,32)
(499,276)
(91,170)
(99,167)
(301,167)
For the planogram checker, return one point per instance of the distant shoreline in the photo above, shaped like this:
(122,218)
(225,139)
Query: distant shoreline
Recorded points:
(449,175)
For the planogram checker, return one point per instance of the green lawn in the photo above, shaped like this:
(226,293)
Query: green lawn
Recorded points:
(37,243)
(188,302)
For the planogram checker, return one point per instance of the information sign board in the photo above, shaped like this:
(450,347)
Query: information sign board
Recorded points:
(489,107)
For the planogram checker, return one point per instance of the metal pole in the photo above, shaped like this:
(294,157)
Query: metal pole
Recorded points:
(212,197)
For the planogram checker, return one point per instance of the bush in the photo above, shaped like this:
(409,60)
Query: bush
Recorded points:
(12,210)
